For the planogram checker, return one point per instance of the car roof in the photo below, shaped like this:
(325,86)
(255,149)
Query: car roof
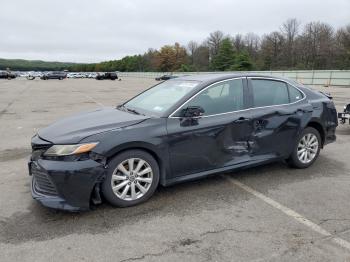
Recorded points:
(214,77)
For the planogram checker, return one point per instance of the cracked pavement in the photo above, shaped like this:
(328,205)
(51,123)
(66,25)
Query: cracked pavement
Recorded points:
(205,220)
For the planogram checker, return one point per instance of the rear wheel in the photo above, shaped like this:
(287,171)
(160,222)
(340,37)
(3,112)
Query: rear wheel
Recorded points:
(307,149)
(132,178)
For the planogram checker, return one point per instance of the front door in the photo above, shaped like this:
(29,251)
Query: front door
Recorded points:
(216,139)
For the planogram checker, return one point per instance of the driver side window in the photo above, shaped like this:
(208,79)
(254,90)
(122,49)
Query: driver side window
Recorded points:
(219,98)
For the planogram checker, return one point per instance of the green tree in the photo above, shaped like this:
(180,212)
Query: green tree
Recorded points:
(242,62)
(225,58)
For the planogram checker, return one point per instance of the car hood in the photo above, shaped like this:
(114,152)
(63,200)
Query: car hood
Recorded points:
(73,129)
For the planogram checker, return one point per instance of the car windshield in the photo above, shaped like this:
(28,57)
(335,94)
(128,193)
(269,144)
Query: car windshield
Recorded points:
(160,98)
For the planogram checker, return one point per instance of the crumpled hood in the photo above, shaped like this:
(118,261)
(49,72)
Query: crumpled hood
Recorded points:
(73,129)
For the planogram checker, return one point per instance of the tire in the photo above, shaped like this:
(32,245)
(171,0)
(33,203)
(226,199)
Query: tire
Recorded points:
(311,152)
(117,182)
(60,78)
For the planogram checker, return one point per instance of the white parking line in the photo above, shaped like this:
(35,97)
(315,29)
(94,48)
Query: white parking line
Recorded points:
(289,212)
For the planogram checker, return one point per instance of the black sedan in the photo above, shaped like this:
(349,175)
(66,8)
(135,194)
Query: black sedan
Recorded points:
(7,75)
(178,130)
(165,77)
(109,76)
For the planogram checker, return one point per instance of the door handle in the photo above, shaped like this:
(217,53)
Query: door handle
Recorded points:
(241,120)
(304,110)
(285,113)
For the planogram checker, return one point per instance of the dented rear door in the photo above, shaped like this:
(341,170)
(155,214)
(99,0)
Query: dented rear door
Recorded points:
(276,119)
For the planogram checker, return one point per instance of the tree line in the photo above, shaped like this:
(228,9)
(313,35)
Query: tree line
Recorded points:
(315,45)
(33,65)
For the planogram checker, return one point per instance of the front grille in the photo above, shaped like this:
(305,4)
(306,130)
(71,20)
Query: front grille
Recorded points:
(42,182)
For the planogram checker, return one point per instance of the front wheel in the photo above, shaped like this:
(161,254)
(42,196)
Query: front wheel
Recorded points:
(132,178)
(307,149)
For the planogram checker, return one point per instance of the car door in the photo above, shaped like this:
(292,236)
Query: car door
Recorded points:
(219,137)
(278,114)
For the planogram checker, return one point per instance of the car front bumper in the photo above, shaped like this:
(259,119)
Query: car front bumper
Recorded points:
(65,185)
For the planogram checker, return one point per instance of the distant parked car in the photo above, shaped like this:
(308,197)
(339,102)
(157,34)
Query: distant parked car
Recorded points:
(92,75)
(109,75)
(75,75)
(30,77)
(7,75)
(37,74)
(54,75)
(165,77)
(345,115)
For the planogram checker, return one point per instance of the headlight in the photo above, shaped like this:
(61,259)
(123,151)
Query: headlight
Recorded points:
(65,150)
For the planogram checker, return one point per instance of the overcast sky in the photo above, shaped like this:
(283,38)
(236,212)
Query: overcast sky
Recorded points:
(92,31)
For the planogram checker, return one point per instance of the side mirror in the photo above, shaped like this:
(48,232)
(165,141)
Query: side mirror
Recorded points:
(192,111)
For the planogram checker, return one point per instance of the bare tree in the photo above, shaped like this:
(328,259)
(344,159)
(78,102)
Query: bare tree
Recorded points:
(214,40)
(290,30)
(238,42)
(271,50)
(201,58)
(316,46)
(342,47)
(252,43)
(192,47)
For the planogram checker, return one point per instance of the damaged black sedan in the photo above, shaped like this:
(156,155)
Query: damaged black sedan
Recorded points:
(181,129)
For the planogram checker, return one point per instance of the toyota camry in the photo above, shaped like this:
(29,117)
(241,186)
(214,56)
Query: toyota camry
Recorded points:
(181,129)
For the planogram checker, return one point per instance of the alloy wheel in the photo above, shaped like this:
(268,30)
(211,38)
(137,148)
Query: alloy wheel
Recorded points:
(307,148)
(132,179)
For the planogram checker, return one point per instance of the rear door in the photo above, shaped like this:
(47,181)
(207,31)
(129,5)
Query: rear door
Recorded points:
(278,114)
(218,138)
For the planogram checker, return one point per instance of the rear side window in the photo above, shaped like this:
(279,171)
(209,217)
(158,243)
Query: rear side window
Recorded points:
(269,92)
(294,94)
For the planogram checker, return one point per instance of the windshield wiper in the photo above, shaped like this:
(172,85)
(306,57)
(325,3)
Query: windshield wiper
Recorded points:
(124,108)
(133,111)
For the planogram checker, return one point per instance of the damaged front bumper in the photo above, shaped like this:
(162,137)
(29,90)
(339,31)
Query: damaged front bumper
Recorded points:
(66,185)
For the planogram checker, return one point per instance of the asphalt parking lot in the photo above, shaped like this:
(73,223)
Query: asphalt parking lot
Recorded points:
(269,213)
